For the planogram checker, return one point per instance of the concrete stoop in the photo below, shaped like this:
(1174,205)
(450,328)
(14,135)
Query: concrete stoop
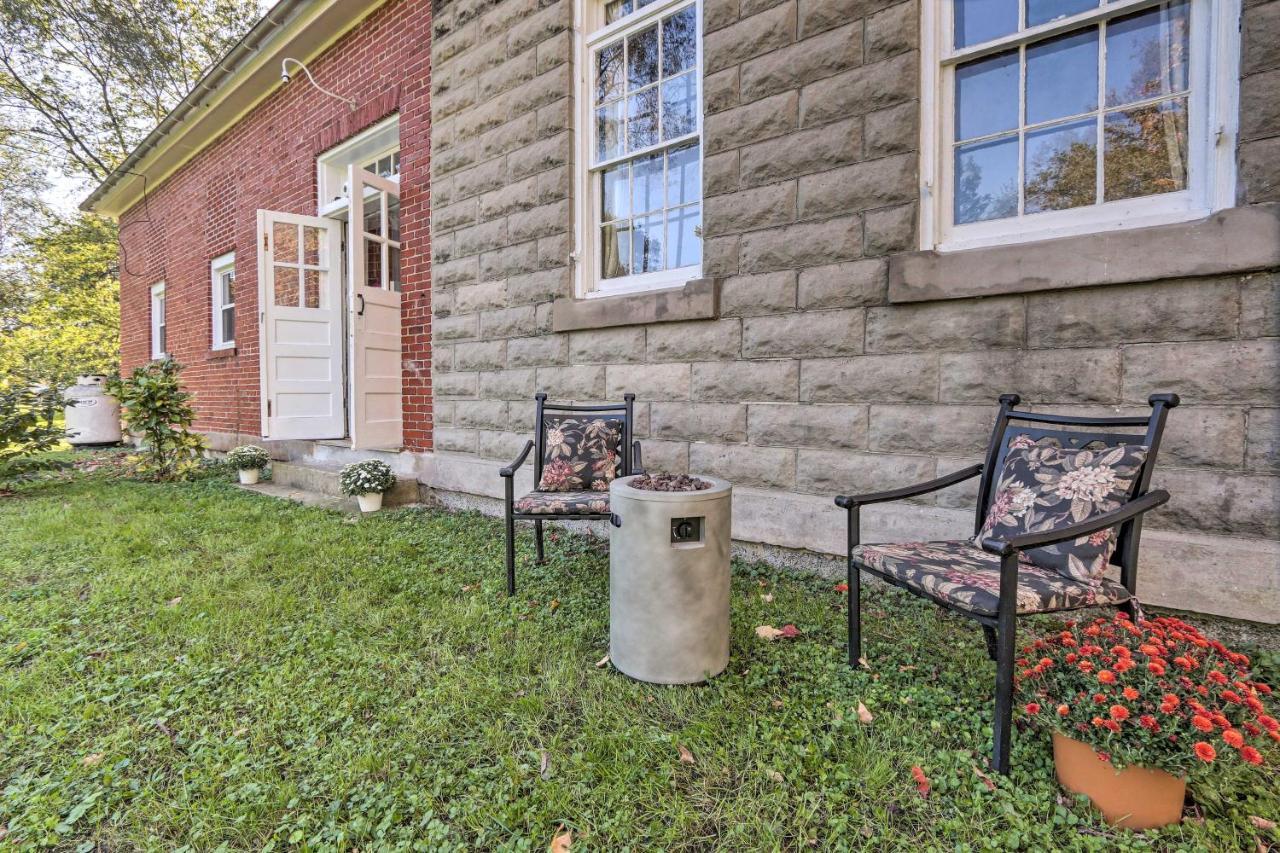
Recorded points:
(317,485)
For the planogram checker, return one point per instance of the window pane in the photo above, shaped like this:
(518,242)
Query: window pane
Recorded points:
(228,325)
(646,183)
(311,245)
(284,236)
(684,246)
(642,119)
(1043,11)
(286,286)
(616,9)
(609,131)
(609,72)
(311,288)
(616,203)
(163,339)
(393,268)
(987,96)
(1062,76)
(393,217)
(395,163)
(684,176)
(679,41)
(1146,150)
(646,244)
(977,21)
(228,281)
(615,250)
(1148,54)
(372,263)
(679,105)
(373,214)
(642,58)
(986,180)
(1062,166)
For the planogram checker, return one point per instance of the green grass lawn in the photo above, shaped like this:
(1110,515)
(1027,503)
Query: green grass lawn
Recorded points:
(195,665)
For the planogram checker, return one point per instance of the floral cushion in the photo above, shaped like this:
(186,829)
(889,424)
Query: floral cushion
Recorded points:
(959,574)
(558,503)
(1042,487)
(581,454)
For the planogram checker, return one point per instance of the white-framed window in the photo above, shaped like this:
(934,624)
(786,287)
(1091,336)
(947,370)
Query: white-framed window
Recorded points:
(639,145)
(375,150)
(222,276)
(1046,118)
(159,335)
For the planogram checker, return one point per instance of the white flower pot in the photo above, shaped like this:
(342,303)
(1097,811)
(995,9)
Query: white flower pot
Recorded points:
(249,476)
(370,502)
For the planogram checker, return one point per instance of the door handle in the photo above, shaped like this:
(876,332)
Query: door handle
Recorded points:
(360,296)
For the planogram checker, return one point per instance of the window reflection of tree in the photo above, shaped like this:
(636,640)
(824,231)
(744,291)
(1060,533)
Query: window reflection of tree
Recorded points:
(972,205)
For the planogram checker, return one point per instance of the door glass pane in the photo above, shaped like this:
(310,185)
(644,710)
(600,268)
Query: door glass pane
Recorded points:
(1043,11)
(373,214)
(372,263)
(977,21)
(679,103)
(286,286)
(1148,54)
(684,178)
(615,250)
(684,245)
(393,268)
(987,96)
(616,203)
(642,58)
(1062,76)
(642,119)
(609,131)
(284,236)
(679,41)
(986,180)
(310,245)
(1061,166)
(646,183)
(609,72)
(393,217)
(646,244)
(311,288)
(1145,150)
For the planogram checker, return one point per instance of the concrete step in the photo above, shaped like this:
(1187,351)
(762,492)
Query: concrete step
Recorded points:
(323,480)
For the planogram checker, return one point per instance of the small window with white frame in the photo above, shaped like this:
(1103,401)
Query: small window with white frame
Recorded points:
(1048,118)
(639,132)
(375,150)
(222,275)
(159,326)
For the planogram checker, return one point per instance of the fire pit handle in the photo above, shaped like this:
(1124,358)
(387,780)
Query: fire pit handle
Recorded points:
(615,520)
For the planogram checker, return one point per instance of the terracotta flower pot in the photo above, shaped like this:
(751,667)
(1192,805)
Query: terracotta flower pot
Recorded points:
(1134,798)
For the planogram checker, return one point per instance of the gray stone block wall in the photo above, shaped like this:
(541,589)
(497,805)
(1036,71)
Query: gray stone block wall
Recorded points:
(811,381)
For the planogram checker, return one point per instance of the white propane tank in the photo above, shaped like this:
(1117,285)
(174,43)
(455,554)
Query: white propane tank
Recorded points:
(95,416)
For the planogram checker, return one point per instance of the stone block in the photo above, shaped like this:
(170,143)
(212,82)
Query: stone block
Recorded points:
(801,63)
(500,444)
(760,33)
(670,457)
(508,322)
(946,326)
(868,378)
(602,346)
(762,467)
(939,430)
(754,122)
(822,427)
(810,333)
(1260,170)
(455,328)
(1039,376)
(892,31)
(719,13)
(1217,372)
(861,186)
(1260,105)
(818,15)
(802,153)
(579,382)
(722,422)
(720,255)
(540,156)
(538,351)
(891,230)
(1260,38)
(1260,306)
(538,286)
(849,285)
(893,130)
(508,384)
(518,68)
(1218,502)
(767,293)
(540,26)
(720,173)
(802,245)
(743,381)
(539,221)
(1262,447)
(1203,436)
(509,261)
(963,495)
(861,90)
(457,215)
(845,472)
(452,273)
(747,209)
(1193,309)
(480,355)
(458,386)
(485,296)
(720,90)
(649,382)
(480,414)
(695,340)
(455,440)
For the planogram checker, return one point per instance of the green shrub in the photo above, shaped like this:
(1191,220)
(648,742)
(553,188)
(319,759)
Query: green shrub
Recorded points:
(28,415)
(248,457)
(366,477)
(156,407)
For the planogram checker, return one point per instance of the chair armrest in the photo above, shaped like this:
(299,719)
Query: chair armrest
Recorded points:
(510,470)
(850,501)
(637,462)
(1132,509)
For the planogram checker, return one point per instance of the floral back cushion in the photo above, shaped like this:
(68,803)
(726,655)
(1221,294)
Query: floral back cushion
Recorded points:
(1042,487)
(581,454)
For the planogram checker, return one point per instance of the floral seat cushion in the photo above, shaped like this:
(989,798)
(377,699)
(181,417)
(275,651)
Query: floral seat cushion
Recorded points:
(958,574)
(563,503)
(580,454)
(1043,487)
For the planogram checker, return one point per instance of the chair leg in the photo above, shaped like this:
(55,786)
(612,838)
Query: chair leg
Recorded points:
(511,545)
(1006,642)
(855,594)
(537,535)
(989,634)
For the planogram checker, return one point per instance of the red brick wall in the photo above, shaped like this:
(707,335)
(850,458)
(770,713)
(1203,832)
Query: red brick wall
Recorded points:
(268,160)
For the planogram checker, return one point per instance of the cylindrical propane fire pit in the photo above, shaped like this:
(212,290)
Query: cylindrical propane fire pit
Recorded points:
(669,577)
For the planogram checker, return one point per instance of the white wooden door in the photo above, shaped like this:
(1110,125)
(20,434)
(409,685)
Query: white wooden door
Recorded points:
(300,326)
(373,249)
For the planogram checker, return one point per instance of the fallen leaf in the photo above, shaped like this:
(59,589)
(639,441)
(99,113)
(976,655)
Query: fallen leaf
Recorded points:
(906,667)
(686,757)
(922,781)
(841,587)
(986,780)
(560,843)
(240,732)
(93,759)
(470,587)
(776,703)
(1261,822)
(775,776)
(864,716)
(768,632)
(174,602)
(555,602)
(20,646)
(862,662)
(544,765)
(603,662)
(762,583)
(790,631)
(766,597)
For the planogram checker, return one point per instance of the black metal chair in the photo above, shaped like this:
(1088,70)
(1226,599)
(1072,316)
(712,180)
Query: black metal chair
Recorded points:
(543,505)
(995,566)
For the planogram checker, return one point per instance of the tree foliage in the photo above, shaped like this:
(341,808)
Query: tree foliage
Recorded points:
(156,407)
(28,422)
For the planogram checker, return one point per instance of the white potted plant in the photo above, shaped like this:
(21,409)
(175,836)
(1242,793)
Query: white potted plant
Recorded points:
(367,480)
(249,460)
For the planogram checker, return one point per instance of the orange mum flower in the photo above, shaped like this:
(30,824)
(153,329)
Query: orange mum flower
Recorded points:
(1106,676)
(1170,699)
(1183,662)
(1156,668)
(1205,752)
(1149,722)
(1111,725)
(1125,664)
(1063,710)
(1268,723)
(1131,693)
(1086,666)
(1217,677)
(1232,737)
(1120,651)
(1119,712)
(1204,724)
(1251,755)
